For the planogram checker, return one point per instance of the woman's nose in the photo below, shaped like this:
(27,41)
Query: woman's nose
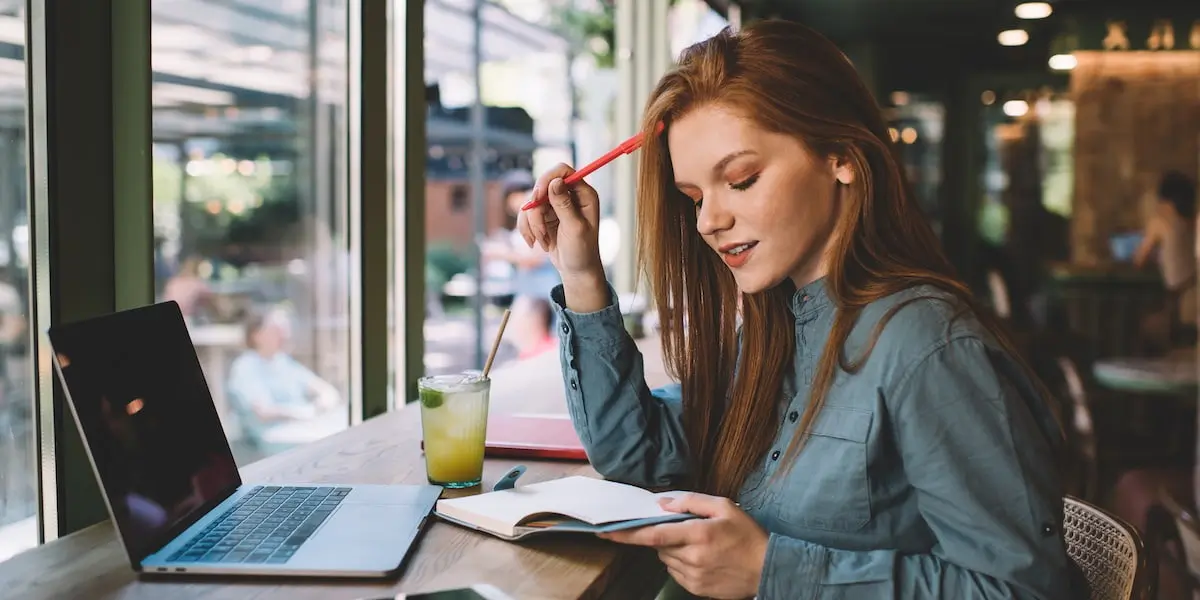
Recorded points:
(713,217)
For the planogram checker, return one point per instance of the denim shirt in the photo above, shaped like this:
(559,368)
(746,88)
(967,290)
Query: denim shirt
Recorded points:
(930,473)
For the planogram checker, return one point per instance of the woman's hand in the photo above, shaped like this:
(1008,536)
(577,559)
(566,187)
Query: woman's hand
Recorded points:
(567,227)
(718,556)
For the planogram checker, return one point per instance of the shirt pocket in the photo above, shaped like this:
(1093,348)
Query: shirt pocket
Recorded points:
(828,488)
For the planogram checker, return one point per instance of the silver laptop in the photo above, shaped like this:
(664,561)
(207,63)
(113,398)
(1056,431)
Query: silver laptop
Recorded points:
(138,394)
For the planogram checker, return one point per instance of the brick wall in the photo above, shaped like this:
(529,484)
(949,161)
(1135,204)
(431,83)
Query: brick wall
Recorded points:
(449,215)
(1137,114)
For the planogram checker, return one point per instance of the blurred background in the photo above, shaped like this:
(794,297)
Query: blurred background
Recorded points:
(1054,146)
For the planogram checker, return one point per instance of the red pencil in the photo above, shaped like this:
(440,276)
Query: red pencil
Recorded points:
(626,147)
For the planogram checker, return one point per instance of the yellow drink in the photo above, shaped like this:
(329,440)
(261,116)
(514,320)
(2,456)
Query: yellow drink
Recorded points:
(454,411)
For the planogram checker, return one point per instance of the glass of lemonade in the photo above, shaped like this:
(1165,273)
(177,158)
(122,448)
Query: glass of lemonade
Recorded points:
(454,411)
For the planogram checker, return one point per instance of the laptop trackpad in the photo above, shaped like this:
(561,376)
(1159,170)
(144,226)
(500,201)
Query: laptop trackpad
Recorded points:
(383,522)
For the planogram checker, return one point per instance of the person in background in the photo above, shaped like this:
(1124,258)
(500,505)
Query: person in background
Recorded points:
(535,335)
(867,431)
(533,275)
(1170,236)
(188,289)
(267,386)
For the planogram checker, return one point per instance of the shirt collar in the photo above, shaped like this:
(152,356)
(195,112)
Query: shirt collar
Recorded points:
(810,299)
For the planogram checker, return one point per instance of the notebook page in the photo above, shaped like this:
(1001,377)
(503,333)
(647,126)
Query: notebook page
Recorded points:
(582,498)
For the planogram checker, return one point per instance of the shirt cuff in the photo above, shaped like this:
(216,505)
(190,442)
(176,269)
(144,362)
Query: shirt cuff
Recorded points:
(604,328)
(792,569)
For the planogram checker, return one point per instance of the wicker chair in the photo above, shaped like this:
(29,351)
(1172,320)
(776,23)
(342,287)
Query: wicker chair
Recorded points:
(1109,552)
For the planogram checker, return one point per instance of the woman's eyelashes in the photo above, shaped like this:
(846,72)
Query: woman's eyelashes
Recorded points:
(740,186)
(744,184)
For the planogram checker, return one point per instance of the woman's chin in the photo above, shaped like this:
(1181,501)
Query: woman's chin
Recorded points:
(754,283)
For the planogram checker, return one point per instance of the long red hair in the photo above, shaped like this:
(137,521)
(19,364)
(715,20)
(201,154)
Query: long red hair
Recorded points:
(788,79)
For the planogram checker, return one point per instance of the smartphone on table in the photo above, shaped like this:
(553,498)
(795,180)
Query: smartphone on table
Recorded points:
(481,591)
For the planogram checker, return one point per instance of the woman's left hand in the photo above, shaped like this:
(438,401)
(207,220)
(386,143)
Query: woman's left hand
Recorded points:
(720,555)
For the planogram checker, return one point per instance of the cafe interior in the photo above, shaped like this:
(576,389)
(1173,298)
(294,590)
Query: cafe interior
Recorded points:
(329,176)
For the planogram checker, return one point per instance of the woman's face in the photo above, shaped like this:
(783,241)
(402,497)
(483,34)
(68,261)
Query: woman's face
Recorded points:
(764,202)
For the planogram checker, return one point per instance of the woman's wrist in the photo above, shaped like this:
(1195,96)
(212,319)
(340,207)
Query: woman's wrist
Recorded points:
(586,292)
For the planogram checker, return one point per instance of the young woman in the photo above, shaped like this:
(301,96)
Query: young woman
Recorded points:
(857,428)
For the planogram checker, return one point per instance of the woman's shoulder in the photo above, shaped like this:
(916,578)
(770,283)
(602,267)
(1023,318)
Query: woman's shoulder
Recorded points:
(914,322)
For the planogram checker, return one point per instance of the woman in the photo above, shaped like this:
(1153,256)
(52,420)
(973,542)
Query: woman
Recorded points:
(1169,233)
(858,429)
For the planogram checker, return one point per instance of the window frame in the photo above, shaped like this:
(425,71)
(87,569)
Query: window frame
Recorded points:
(89,81)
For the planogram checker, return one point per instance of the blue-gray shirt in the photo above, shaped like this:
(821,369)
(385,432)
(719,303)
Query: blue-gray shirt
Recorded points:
(930,473)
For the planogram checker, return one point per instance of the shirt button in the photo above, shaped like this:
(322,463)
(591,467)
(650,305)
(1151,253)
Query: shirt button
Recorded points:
(574,386)
(775,455)
(792,417)
(565,328)
(1047,529)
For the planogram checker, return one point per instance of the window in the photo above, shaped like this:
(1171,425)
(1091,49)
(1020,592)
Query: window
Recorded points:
(459,198)
(532,113)
(18,474)
(251,208)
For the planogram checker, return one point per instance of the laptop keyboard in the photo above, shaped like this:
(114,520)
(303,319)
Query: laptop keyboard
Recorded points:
(266,525)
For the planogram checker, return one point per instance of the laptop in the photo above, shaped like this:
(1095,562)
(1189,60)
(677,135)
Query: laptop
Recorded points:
(177,501)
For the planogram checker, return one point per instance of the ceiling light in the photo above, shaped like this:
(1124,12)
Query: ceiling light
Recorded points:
(1013,37)
(1063,62)
(1016,108)
(1033,10)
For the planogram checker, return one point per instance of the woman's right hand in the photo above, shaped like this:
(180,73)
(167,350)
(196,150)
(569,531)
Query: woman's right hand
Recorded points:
(567,226)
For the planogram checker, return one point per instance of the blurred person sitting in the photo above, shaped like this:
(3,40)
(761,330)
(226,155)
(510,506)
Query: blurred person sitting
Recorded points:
(1170,236)
(532,332)
(189,289)
(533,276)
(532,273)
(267,387)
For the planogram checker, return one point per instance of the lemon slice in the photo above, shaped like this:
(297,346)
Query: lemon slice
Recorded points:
(431,398)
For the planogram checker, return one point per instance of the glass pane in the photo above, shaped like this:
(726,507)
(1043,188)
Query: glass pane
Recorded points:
(18,475)
(250,208)
(532,123)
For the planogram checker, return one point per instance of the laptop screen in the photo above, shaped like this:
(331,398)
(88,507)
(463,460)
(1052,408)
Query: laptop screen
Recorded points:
(148,420)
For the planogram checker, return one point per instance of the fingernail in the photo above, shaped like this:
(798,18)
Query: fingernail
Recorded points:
(556,187)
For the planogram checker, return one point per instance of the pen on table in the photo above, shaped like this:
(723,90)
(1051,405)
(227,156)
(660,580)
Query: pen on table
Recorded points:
(625,147)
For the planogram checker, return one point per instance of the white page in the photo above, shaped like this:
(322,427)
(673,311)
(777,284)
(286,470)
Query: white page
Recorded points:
(583,498)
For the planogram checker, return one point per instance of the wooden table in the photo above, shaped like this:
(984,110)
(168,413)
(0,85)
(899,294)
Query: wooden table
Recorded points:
(91,563)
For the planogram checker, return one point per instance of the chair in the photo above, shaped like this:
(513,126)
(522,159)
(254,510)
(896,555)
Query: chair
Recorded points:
(1080,429)
(1174,533)
(1109,552)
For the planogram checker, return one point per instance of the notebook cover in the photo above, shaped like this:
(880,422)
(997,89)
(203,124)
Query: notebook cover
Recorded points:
(533,436)
(545,436)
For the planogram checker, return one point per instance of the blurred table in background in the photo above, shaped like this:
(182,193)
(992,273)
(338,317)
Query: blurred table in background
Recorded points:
(1176,374)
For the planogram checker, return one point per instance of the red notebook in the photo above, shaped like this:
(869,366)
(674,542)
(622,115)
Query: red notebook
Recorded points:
(532,436)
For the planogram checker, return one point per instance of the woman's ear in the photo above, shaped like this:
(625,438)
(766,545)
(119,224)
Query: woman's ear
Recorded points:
(843,172)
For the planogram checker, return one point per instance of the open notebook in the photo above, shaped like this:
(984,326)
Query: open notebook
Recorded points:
(576,504)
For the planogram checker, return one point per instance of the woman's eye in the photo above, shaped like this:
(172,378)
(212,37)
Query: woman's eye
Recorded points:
(744,184)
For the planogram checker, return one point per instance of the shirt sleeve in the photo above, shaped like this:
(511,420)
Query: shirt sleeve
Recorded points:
(631,433)
(975,441)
